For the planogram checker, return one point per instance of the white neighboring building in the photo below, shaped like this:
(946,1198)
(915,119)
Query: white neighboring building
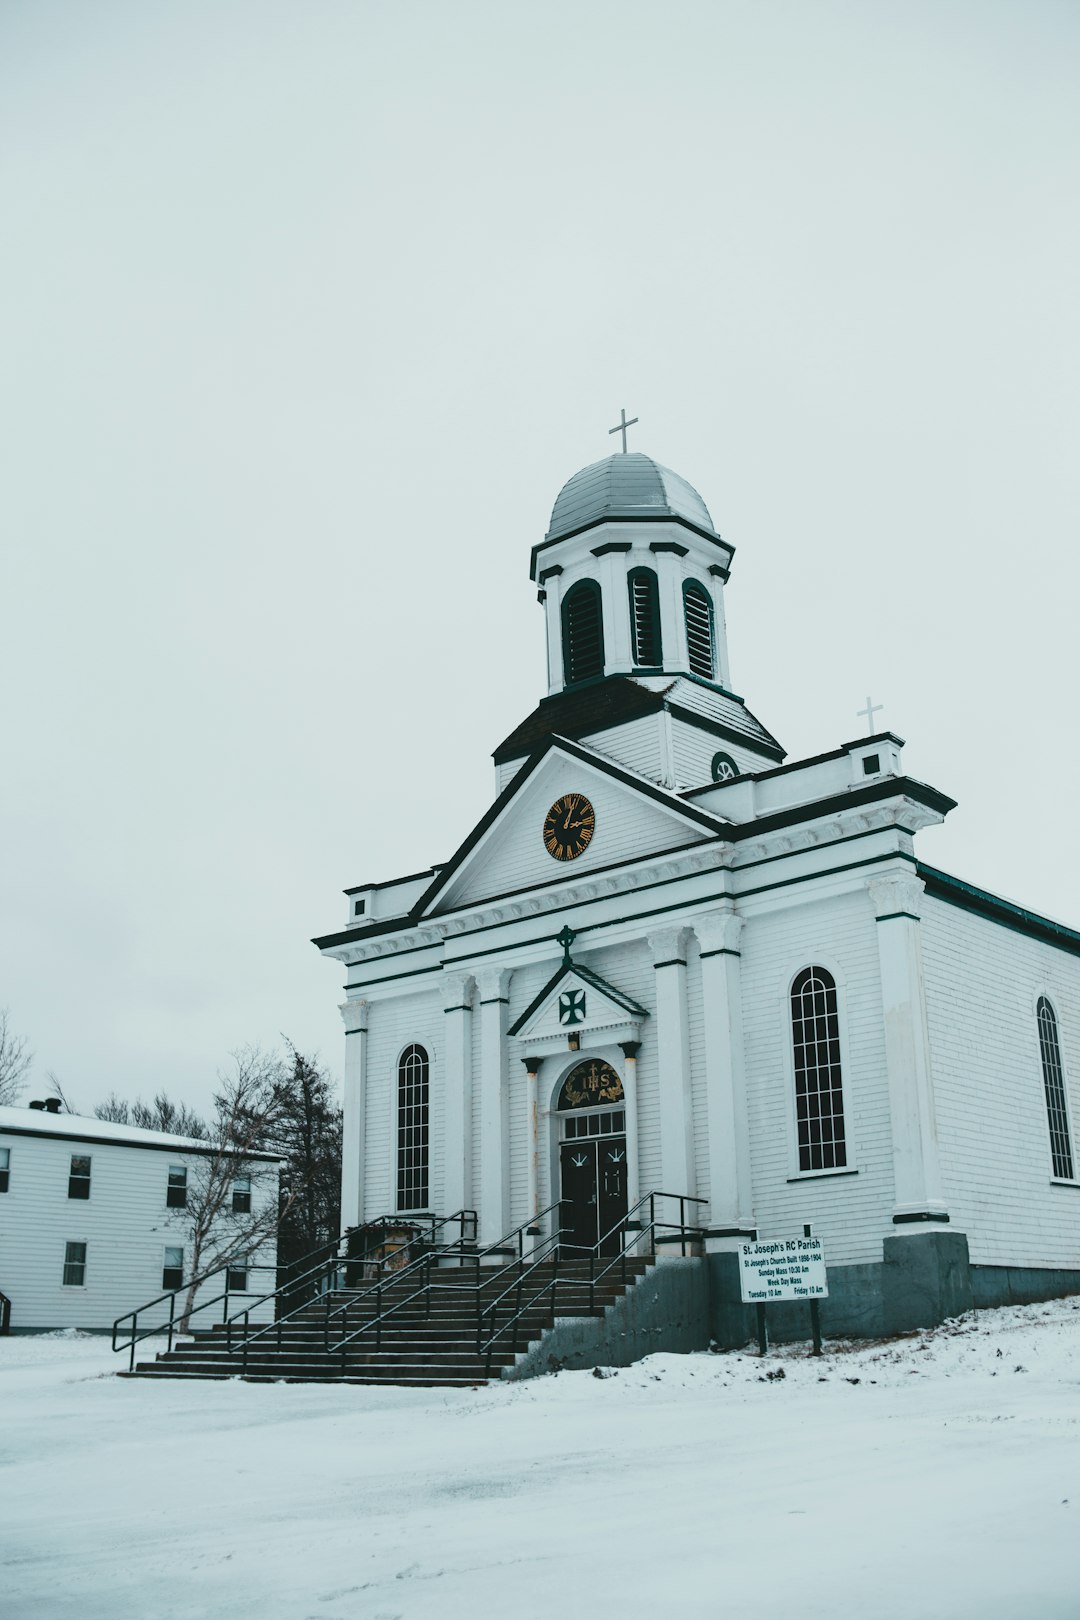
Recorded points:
(767,1000)
(93,1220)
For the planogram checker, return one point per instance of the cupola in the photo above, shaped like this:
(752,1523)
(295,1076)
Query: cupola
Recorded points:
(631,575)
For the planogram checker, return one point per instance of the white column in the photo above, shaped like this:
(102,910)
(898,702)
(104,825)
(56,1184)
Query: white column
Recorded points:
(494,984)
(673,1039)
(897,903)
(457,1092)
(355,1017)
(731,1205)
(630,1051)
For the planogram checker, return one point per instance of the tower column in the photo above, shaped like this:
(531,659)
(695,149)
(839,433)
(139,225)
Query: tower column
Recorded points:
(897,902)
(494,984)
(354,1015)
(731,1212)
(457,1092)
(630,1050)
(673,1037)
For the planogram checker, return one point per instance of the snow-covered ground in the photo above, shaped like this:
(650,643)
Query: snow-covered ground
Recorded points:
(936,1476)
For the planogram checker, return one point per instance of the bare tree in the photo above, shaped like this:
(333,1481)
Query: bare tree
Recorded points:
(15,1060)
(174,1118)
(224,1228)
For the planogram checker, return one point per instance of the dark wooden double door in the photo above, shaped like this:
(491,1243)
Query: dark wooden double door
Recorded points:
(593,1194)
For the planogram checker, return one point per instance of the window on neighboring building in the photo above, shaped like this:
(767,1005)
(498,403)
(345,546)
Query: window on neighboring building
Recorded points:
(74,1265)
(176,1191)
(237,1275)
(241,1195)
(819,1099)
(645,617)
(697,607)
(5,1169)
(412,1176)
(172,1272)
(1054,1085)
(583,632)
(79,1176)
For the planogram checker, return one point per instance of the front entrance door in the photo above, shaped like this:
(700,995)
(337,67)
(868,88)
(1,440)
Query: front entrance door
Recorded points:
(594,1193)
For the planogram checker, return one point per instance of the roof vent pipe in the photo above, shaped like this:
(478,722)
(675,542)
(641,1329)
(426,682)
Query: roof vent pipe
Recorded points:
(52,1105)
(38,1104)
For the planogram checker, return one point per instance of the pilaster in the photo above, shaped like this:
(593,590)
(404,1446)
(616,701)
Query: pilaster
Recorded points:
(354,1015)
(457,1095)
(897,903)
(494,986)
(731,1211)
(630,1051)
(668,946)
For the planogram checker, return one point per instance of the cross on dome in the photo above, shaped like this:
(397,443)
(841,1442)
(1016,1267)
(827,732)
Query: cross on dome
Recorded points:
(621,427)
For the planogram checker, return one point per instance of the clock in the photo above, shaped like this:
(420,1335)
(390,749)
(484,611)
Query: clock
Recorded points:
(569,826)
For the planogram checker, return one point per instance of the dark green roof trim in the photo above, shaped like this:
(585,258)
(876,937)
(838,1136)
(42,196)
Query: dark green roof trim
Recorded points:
(605,989)
(391,883)
(994,909)
(175,1148)
(892,787)
(799,764)
(550,573)
(720,573)
(716,728)
(670,545)
(596,523)
(611,545)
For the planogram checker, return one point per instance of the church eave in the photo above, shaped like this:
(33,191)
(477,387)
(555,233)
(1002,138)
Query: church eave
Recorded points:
(638,517)
(955,892)
(566,970)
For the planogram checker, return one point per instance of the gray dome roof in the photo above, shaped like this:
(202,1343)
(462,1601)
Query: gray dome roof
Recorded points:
(626,485)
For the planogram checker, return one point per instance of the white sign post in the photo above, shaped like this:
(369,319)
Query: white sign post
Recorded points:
(783,1268)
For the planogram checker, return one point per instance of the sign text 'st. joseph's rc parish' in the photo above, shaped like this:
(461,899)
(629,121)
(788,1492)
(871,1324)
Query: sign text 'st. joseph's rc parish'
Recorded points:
(786,1268)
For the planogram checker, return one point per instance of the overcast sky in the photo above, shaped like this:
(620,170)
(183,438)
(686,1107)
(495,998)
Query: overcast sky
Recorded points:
(308,312)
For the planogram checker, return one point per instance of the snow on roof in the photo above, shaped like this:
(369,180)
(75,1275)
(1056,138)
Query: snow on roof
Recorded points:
(84,1128)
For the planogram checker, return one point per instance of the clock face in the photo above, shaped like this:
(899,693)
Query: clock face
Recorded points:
(569,826)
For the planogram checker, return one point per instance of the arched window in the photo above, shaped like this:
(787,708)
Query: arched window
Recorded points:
(645,617)
(1054,1084)
(583,632)
(412,1129)
(697,608)
(819,1098)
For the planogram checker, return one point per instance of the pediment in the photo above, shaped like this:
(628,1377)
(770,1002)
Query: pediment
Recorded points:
(506,853)
(576,1001)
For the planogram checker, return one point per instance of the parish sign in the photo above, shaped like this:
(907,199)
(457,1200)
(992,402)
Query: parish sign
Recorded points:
(785,1268)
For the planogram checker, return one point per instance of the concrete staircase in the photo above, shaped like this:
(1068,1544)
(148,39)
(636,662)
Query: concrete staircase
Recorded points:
(428,1340)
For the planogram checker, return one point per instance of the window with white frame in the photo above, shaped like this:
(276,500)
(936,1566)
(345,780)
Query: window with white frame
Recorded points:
(237,1274)
(241,1195)
(412,1131)
(176,1191)
(75,1265)
(172,1272)
(1057,1115)
(819,1097)
(79,1176)
(5,1169)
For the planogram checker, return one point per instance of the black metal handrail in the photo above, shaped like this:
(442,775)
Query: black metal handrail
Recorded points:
(329,1251)
(5,1314)
(687,1233)
(333,1269)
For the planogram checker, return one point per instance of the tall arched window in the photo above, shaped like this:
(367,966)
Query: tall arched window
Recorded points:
(819,1097)
(645,617)
(1054,1085)
(583,632)
(412,1129)
(697,608)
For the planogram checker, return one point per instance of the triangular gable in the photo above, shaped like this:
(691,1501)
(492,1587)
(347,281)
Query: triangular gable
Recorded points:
(505,852)
(576,999)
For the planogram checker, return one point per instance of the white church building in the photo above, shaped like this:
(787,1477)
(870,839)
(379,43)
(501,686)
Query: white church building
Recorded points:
(669,960)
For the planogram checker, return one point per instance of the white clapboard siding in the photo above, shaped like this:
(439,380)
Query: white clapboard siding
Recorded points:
(125,1224)
(850,1213)
(983,981)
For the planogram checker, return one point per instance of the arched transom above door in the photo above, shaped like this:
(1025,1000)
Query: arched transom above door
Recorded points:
(592,1084)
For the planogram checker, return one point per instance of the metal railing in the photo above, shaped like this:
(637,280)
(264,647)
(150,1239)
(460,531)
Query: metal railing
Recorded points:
(336,1273)
(5,1314)
(642,1236)
(333,1259)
